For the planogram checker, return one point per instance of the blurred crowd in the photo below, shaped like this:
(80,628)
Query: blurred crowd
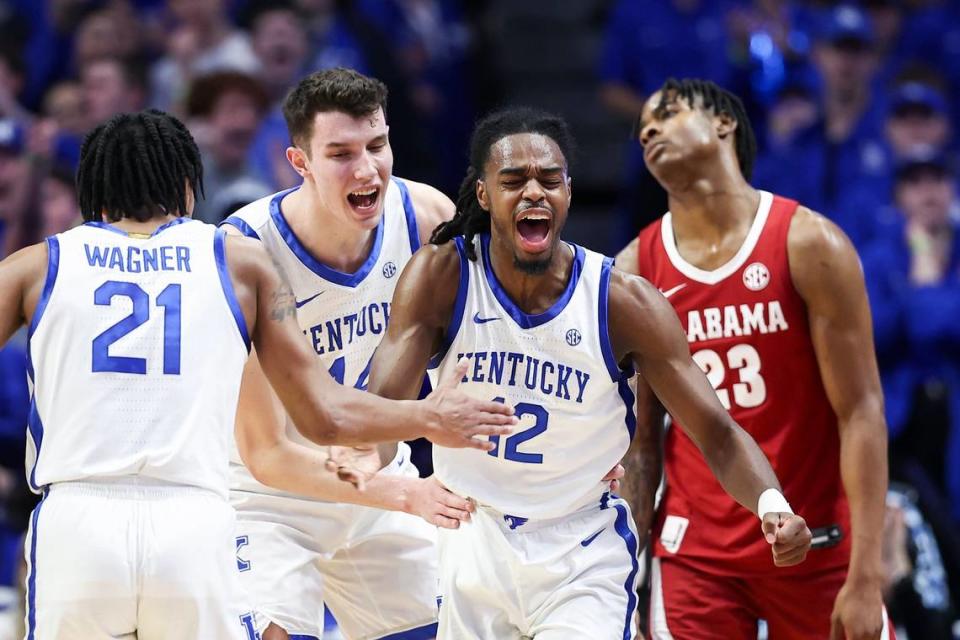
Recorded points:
(855,107)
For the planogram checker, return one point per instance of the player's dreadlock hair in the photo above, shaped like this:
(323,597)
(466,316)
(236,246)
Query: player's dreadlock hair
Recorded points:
(718,100)
(470,218)
(138,165)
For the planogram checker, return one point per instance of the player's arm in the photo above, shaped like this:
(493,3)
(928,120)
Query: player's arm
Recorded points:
(277,461)
(644,460)
(628,260)
(645,328)
(324,411)
(419,314)
(430,206)
(827,274)
(21,280)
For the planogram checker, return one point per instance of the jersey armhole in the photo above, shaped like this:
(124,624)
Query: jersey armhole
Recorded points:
(410,213)
(53,267)
(220,255)
(456,318)
(242,225)
(603,316)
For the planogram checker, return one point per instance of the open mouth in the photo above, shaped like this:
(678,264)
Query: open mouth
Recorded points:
(364,199)
(533,226)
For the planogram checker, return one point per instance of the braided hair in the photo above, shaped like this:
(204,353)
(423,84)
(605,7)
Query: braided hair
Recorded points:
(139,166)
(471,218)
(718,100)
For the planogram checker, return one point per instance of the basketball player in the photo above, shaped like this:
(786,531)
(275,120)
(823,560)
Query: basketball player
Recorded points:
(771,297)
(555,331)
(140,321)
(340,240)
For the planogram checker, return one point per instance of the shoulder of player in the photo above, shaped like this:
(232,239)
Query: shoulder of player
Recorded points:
(628,259)
(25,265)
(439,262)
(817,249)
(430,206)
(637,312)
(246,257)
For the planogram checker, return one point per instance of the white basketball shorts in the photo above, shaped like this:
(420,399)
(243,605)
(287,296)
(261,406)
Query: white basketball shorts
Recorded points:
(376,570)
(133,559)
(505,577)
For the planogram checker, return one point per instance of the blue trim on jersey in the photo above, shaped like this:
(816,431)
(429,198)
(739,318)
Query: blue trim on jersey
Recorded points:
(622,526)
(603,301)
(219,252)
(35,429)
(322,270)
(629,402)
(425,632)
(32,577)
(241,224)
(458,306)
(525,320)
(411,215)
(109,227)
(299,636)
(53,267)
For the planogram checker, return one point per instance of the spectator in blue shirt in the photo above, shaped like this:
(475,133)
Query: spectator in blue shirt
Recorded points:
(845,144)
(913,278)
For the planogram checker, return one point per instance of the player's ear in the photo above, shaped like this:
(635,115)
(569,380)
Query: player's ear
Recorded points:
(297,158)
(725,124)
(482,194)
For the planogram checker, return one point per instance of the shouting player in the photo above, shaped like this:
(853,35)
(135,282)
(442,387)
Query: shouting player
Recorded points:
(139,326)
(556,332)
(340,240)
(772,301)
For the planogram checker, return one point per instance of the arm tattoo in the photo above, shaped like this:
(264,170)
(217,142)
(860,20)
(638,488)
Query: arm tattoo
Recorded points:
(282,300)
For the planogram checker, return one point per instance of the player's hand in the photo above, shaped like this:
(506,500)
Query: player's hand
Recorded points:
(789,536)
(459,421)
(436,504)
(613,477)
(355,465)
(857,611)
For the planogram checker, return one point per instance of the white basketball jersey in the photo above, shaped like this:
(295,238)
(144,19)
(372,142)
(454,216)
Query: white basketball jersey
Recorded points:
(557,369)
(136,351)
(342,315)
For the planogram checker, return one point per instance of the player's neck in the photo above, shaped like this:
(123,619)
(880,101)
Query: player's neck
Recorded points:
(129,225)
(533,293)
(336,245)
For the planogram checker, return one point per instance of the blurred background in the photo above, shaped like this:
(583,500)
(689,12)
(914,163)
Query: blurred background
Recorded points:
(856,106)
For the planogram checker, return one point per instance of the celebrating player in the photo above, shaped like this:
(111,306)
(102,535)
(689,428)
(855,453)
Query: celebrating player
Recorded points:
(556,332)
(771,297)
(140,321)
(340,240)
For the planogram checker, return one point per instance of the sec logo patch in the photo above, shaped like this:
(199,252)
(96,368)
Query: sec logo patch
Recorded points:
(756,276)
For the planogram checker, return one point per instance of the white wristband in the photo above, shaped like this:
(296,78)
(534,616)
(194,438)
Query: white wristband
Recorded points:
(772,500)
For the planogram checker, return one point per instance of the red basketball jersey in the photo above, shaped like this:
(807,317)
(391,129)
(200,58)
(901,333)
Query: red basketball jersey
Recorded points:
(747,329)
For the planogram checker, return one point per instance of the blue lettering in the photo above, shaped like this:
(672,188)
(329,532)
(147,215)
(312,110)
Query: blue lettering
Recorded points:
(563,381)
(376,328)
(386,312)
(496,367)
(514,359)
(334,336)
(133,259)
(478,361)
(97,257)
(350,320)
(149,258)
(543,377)
(116,258)
(183,258)
(315,335)
(530,377)
(361,323)
(582,378)
(166,258)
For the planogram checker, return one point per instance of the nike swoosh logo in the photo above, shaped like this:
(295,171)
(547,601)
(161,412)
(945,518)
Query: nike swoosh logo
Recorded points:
(479,320)
(300,303)
(586,541)
(670,292)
